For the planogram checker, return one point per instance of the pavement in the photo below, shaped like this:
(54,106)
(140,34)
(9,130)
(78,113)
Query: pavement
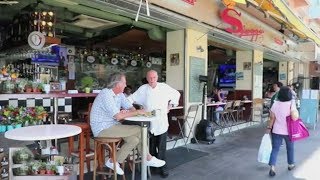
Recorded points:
(234,157)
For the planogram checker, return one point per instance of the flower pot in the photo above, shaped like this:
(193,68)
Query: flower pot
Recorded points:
(87,90)
(10,127)
(3,128)
(18,126)
(49,171)
(60,170)
(42,171)
(26,123)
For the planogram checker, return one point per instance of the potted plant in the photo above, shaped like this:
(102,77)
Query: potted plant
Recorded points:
(42,168)
(60,167)
(3,124)
(20,85)
(22,155)
(87,83)
(40,87)
(51,169)
(35,87)
(28,87)
(35,166)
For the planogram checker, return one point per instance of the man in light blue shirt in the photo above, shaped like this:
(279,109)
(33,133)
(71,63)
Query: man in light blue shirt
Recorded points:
(108,109)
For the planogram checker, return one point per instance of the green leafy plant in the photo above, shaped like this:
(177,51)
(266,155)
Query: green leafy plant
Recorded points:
(87,82)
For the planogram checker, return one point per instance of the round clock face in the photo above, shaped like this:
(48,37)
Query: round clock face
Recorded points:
(36,40)
(90,59)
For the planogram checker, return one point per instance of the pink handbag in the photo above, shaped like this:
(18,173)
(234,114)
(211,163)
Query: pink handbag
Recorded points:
(296,129)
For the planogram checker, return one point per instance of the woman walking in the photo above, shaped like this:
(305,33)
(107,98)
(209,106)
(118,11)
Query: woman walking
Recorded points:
(278,128)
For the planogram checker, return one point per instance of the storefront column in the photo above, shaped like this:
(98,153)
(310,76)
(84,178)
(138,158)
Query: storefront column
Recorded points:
(283,73)
(249,68)
(306,74)
(290,72)
(257,73)
(191,47)
(244,75)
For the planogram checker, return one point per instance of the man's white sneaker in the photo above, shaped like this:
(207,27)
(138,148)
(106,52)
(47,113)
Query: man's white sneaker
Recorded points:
(109,164)
(154,162)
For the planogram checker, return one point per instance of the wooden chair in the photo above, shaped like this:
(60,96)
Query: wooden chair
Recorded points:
(100,145)
(84,152)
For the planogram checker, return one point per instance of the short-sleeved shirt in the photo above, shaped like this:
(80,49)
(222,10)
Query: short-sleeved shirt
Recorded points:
(105,106)
(281,110)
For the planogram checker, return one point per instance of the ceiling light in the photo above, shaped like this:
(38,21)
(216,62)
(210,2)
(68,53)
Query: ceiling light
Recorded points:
(9,2)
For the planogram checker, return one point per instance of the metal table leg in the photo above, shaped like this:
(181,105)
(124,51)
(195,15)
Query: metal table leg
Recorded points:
(144,152)
(55,116)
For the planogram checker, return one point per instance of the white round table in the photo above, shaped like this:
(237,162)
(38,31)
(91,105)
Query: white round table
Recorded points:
(43,132)
(143,122)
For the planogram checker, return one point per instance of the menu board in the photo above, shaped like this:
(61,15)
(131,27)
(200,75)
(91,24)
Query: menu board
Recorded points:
(196,68)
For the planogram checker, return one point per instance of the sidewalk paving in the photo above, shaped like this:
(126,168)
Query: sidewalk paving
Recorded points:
(234,157)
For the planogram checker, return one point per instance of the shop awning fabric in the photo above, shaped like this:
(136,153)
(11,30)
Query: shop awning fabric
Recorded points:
(294,20)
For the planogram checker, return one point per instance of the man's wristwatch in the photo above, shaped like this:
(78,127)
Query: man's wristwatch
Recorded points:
(268,127)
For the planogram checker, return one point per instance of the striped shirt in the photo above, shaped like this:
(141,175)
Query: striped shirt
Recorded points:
(105,106)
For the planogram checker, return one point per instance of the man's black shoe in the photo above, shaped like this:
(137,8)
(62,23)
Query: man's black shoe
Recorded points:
(164,174)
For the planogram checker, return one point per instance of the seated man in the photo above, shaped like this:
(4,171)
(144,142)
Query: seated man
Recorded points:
(108,109)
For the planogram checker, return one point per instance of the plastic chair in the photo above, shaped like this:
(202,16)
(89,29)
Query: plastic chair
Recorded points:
(188,120)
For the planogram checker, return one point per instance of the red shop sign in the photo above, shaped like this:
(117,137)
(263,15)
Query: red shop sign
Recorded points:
(190,1)
(278,41)
(237,27)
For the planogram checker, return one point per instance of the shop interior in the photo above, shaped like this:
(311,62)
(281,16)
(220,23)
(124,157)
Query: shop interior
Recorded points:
(222,70)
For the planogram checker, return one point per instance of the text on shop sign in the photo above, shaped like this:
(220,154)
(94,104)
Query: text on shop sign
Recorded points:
(190,1)
(237,27)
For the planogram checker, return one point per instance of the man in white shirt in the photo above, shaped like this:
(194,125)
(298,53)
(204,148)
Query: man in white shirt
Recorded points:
(159,97)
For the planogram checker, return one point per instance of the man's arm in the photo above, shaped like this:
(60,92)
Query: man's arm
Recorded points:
(174,96)
(129,113)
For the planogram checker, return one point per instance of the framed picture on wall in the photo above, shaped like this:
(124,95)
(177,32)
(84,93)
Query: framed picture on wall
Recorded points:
(174,59)
(246,65)
(283,76)
(239,75)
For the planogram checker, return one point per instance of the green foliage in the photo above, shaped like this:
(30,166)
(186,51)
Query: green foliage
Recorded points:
(87,81)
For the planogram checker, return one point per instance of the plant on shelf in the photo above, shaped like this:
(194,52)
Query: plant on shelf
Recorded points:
(35,166)
(42,168)
(21,156)
(20,85)
(28,87)
(23,115)
(87,83)
(51,169)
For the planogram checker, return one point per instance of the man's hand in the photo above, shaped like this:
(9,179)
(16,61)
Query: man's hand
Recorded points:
(124,111)
(141,112)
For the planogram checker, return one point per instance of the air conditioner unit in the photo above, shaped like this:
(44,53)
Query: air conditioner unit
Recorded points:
(92,22)
(309,51)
